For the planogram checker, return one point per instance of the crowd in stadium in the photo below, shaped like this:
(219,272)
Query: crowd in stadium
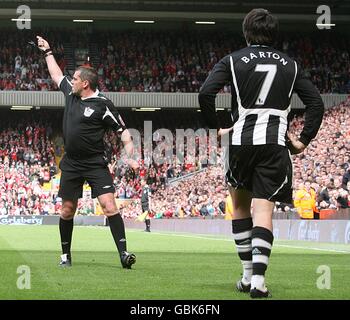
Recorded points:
(156,173)
(325,164)
(324,167)
(22,67)
(27,161)
(203,195)
(163,62)
(168,61)
(180,62)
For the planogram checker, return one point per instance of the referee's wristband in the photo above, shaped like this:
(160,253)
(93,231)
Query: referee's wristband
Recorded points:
(48,54)
(47,50)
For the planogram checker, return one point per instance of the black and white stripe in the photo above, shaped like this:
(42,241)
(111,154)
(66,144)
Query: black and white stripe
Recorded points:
(242,234)
(259,126)
(244,244)
(262,240)
(108,113)
(114,119)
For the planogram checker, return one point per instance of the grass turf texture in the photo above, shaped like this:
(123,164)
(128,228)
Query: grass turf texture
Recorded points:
(169,266)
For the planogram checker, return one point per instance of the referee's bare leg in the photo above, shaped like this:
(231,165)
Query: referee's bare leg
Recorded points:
(116,224)
(66,230)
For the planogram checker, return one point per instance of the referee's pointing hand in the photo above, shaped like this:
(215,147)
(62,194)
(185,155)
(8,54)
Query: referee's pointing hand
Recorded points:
(42,43)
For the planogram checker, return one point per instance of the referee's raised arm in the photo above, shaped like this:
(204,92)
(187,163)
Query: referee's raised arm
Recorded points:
(54,70)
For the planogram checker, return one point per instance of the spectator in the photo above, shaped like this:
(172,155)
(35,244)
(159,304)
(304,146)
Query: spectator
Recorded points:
(164,61)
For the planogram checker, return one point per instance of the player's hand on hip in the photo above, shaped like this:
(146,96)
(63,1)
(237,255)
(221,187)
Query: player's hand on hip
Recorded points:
(42,43)
(223,131)
(294,145)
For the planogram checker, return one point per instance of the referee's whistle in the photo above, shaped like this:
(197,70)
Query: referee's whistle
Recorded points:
(32,43)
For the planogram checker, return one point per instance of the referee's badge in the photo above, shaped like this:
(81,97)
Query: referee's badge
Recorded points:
(88,112)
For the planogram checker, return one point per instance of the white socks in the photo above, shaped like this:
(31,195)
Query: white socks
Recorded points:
(247,271)
(258,282)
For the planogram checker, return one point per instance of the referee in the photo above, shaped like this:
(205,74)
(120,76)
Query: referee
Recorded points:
(260,170)
(87,116)
(146,203)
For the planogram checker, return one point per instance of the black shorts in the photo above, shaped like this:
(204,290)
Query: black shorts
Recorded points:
(145,207)
(264,170)
(94,170)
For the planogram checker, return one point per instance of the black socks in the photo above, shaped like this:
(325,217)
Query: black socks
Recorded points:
(116,225)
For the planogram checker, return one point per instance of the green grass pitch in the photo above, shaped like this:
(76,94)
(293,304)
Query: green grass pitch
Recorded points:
(169,266)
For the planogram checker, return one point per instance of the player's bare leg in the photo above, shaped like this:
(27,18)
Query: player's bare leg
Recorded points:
(66,230)
(117,227)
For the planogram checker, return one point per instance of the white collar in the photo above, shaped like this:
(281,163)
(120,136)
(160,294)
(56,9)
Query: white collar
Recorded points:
(94,95)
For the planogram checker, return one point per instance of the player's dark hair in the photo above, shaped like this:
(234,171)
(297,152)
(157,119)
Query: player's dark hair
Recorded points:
(89,74)
(260,27)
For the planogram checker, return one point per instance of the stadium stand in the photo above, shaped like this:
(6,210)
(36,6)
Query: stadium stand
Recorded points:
(323,167)
(30,143)
(159,61)
(28,152)
(27,163)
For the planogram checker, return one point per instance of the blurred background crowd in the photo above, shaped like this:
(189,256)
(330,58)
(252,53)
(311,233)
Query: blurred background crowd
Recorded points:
(161,61)
(31,144)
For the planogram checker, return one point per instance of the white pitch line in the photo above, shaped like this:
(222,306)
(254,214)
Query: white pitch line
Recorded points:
(312,248)
(228,240)
(186,236)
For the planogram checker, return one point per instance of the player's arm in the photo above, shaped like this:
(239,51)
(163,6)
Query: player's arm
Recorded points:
(218,77)
(314,105)
(129,149)
(113,120)
(54,70)
(224,131)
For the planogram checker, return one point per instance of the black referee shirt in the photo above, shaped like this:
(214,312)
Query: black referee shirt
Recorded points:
(262,81)
(85,122)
